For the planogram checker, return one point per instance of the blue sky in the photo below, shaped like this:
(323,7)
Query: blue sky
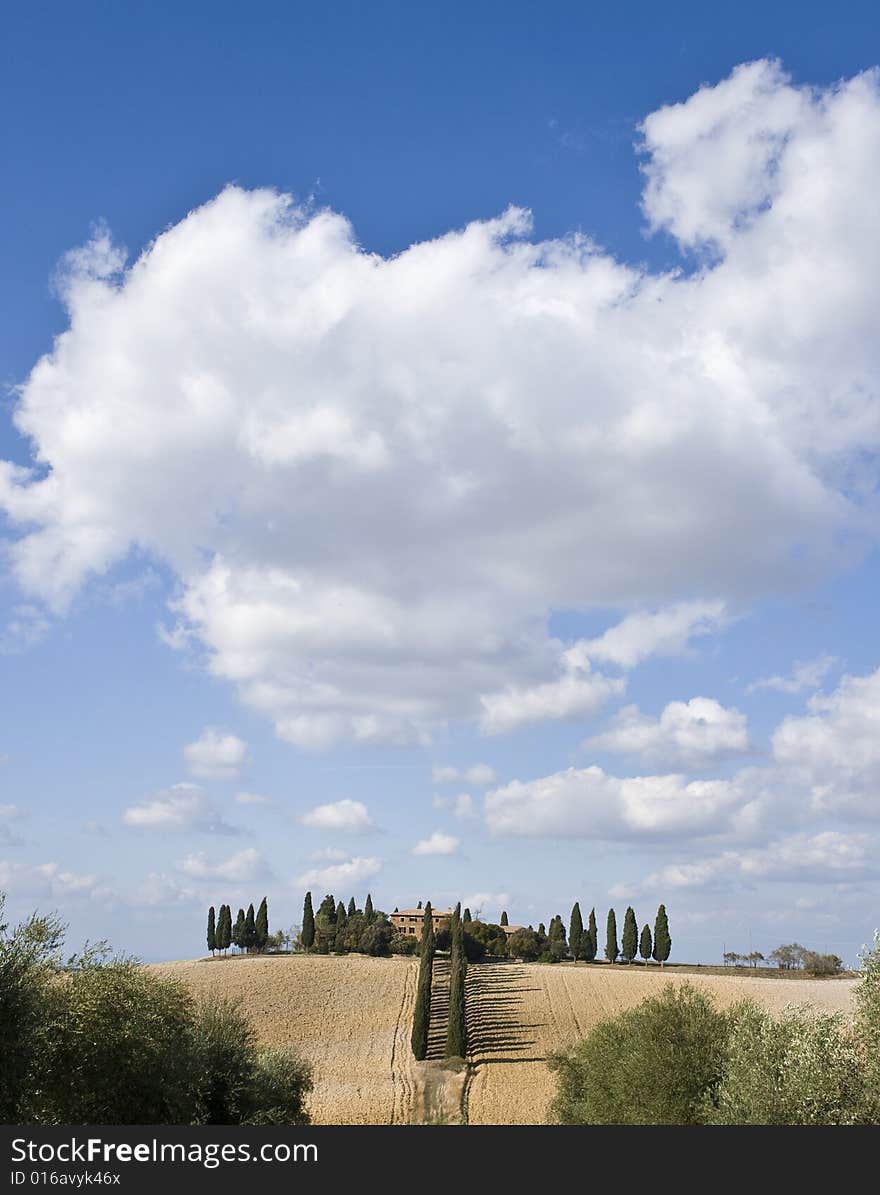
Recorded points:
(434,390)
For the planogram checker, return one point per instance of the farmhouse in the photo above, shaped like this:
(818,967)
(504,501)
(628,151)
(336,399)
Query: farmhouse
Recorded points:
(409,921)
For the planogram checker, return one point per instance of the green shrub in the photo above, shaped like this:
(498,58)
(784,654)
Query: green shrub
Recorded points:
(404,944)
(822,964)
(222,1063)
(280,1082)
(653,1064)
(119,1047)
(799,1068)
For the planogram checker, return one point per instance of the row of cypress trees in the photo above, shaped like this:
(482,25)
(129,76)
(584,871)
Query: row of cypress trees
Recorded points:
(422,1011)
(250,931)
(583,942)
(456,1030)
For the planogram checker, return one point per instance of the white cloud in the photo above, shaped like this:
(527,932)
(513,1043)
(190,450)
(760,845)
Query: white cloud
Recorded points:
(484,902)
(252,799)
(347,817)
(345,875)
(479,775)
(834,751)
(687,735)
(49,880)
(565,699)
(460,806)
(590,803)
(806,674)
(181,807)
(216,755)
(157,889)
(826,857)
(663,632)
(383,515)
(437,844)
(328,854)
(27,626)
(245,865)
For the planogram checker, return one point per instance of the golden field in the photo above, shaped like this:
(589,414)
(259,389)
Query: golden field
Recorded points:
(351,1016)
(518,1015)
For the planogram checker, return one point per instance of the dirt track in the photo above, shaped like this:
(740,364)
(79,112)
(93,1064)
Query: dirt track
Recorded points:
(518,1015)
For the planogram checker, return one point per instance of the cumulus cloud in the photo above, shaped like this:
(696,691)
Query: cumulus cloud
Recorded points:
(216,755)
(687,734)
(482,902)
(827,857)
(806,674)
(383,515)
(437,844)
(157,890)
(461,805)
(570,697)
(590,803)
(347,817)
(345,875)
(834,751)
(480,774)
(663,632)
(181,807)
(49,880)
(248,864)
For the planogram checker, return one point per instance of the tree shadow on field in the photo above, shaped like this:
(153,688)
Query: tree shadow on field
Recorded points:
(496,1021)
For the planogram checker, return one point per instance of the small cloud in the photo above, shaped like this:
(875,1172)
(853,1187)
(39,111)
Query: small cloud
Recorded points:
(158,889)
(437,844)
(181,807)
(479,775)
(252,799)
(346,817)
(27,626)
(216,755)
(327,854)
(461,806)
(345,875)
(248,864)
(806,674)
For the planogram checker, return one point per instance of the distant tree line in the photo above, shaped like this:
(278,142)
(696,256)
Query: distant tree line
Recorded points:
(552,946)
(791,957)
(677,1058)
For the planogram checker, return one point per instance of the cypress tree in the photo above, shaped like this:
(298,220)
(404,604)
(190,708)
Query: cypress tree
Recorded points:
(612,950)
(419,905)
(541,929)
(368,909)
(341,920)
(250,929)
(225,941)
(591,938)
(504,920)
(557,930)
(308,926)
(630,941)
(261,925)
(325,925)
(662,940)
(212,930)
(352,908)
(466,916)
(422,1011)
(575,931)
(238,934)
(456,1029)
(645,944)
